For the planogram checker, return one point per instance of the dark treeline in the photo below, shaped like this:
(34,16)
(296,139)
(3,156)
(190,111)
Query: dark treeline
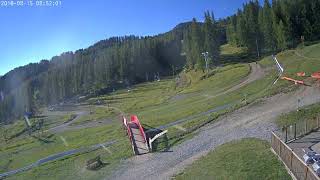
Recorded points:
(200,38)
(117,62)
(274,26)
(111,63)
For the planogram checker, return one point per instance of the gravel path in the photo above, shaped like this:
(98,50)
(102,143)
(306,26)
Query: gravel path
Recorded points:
(64,126)
(255,120)
(80,112)
(256,73)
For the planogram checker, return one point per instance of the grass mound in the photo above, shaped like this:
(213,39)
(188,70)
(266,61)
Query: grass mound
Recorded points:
(244,159)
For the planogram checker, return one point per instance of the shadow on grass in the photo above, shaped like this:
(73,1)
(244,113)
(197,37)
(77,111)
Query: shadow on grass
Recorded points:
(39,116)
(161,144)
(100,167)
(7,165)
(96,164)
(45,140)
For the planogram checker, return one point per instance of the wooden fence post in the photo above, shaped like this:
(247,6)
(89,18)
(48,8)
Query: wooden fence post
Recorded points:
(295,131)
(306,172)
(272,140)
(286,139)
(306,127)
(279,148)
(300,170)
(291,159)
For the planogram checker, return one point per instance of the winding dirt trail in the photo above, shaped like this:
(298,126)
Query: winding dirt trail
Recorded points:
(302,56)
(255,120)
(256,72)
(63,127)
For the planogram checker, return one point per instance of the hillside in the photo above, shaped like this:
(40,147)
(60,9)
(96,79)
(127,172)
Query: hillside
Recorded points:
(120,62)
(211,87)
(195,156)
(168,104)
(182,107)
(117,62)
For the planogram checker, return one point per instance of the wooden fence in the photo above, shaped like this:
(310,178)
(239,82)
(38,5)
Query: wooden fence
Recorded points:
(298,168)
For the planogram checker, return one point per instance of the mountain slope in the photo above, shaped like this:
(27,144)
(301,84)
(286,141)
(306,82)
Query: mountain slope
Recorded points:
(109,64)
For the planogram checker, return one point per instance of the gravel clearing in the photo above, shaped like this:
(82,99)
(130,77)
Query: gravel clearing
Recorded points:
(255,120)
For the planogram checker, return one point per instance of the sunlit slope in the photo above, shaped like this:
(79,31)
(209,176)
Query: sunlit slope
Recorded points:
(156,104)
(243,159)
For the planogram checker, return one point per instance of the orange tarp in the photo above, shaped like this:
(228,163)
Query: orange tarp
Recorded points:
(301,74)
(316,75)
(293,80)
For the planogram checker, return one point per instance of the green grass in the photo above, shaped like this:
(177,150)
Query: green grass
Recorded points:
(310,52)
(96,114)
(22,151)
(309,112)
(30,150)
(293,63)
(245,159)
(228,49)
(10,131)
(151,101)
(73,167)
(155,103)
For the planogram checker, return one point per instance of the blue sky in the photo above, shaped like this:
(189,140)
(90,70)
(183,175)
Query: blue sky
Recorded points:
(30,34)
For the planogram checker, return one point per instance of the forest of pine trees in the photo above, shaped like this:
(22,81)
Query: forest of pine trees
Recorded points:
(275,26)
(119,62)
(201,38)
(114,63)
(109,64)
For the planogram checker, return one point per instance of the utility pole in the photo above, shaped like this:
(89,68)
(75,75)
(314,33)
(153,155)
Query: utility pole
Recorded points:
(173,70)
(147,77)
(302,40)
(298,104)
(1,96)
(206,59)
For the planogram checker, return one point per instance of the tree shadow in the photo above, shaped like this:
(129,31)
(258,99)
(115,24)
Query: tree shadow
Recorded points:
(161,144)
(96,164)
(7,165)
(45,140)
(39,116)
(18,134)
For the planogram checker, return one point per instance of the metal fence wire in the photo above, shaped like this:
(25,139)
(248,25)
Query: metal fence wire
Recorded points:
(299,129)
(298,168)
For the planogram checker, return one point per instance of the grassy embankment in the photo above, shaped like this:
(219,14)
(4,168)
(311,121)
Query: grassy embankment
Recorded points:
(20,152)
(251,158)
(156,103)
(243,159)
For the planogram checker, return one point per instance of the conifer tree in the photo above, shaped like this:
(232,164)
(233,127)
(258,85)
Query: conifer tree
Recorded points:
(281,36)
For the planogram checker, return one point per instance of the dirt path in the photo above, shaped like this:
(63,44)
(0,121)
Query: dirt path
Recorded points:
(80,112)
(65,126)
(300,55)
(256,72)
(255,120)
